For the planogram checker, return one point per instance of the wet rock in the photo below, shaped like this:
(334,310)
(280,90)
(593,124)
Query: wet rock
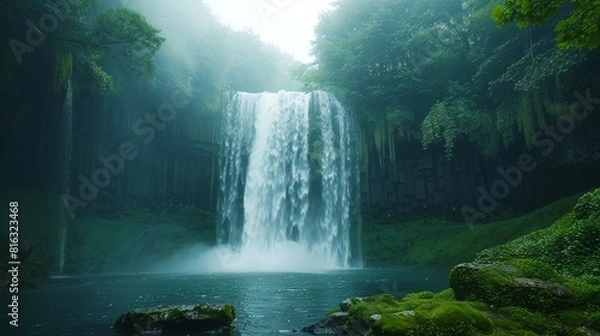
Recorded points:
(337,324)
(374,318)
(346,304)
(164,320)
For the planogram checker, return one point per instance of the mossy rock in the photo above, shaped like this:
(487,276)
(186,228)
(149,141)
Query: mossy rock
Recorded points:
(586,291)
(588,205)
(570,245)
(423,313)
(176,319)
(507,285)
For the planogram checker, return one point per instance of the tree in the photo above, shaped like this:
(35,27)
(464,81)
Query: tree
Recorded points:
(78,38)
(443,72)
(579,25)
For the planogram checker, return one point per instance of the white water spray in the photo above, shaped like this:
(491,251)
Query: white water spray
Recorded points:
(289,183)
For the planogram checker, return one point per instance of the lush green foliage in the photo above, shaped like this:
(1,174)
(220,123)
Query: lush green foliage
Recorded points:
(429,240)
(86,34)
(441,71)
(578,26)
(498,285)
(459,119)
(570,244)
(517,290)
(113,48)
(588,205)
(433,314)
(423,313)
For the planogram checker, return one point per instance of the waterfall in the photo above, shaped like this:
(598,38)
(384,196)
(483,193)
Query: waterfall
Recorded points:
(289,180)
(65,154)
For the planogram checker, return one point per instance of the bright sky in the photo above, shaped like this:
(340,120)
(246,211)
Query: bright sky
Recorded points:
(288,24)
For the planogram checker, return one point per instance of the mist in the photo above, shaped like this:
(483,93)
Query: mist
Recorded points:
(202,258)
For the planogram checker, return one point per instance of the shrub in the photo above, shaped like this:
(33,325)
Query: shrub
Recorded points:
(588,205)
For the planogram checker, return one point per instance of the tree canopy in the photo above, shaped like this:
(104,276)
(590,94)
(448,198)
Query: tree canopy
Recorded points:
(105,46)
(579,24)
(75,37)
(442,72)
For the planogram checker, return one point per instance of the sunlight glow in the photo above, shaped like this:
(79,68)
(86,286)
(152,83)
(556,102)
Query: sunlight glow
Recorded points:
(287,24)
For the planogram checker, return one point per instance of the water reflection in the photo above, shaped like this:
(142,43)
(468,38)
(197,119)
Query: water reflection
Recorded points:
(266,303)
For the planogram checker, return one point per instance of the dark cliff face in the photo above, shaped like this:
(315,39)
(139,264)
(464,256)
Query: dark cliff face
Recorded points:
(175,159)
(517,179)
(126,152)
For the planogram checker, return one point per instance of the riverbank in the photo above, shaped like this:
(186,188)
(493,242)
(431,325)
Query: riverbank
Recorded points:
(546,282)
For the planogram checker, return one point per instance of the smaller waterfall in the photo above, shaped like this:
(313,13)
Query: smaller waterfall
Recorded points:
(65,154)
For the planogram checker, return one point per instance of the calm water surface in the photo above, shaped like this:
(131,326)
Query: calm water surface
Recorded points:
(266,303)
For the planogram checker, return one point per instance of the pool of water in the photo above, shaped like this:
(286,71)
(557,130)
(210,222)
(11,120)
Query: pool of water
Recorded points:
(266,303)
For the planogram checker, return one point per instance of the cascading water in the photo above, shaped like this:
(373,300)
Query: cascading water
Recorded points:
(289,182)
(66,149)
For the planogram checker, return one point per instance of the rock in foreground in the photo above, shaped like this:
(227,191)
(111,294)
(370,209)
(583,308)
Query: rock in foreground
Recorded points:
(176,319)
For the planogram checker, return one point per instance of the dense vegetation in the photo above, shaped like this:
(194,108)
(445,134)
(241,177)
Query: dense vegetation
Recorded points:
(107,48)
(443,72)
(443,242)
(436,72)
(127,57)
(543,283)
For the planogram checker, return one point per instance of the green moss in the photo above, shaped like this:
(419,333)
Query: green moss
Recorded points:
(529,268)
(394,325)
(439,314)
(498,285)
(334,310)
(529,320)
(437,241)
(588,205)
(435,318)
(423,313)
(446,294)
(451,314)
(570,244)
(474,284)
(515,291)
(501,322)
(581,318)
(378,304)
(586,292)
(174,314)
(230,312)
(418,296)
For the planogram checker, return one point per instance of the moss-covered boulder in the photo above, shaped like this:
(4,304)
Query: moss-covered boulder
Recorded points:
(337,323)
(441,314)
(544,283)
(524,283)
(423,313)
(176,319)
(588,205)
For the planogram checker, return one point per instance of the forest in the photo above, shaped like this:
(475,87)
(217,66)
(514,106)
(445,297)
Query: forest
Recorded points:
(150,144)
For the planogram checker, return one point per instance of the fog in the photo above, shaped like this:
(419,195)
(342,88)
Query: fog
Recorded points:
(201,258)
